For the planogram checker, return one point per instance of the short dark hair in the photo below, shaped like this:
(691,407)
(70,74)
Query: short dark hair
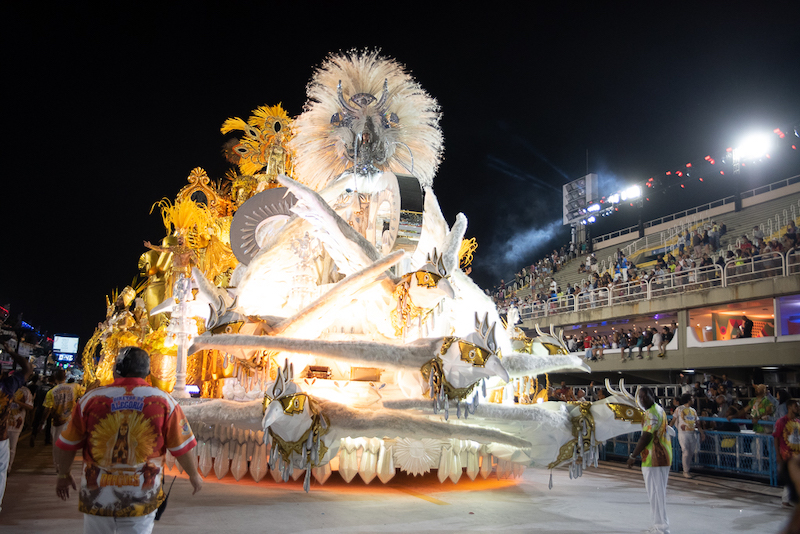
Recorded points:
(649,392)
(60,375)
(686,397)
(133,362)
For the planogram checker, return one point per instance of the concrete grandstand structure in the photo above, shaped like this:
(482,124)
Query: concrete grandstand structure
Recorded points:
(707,305)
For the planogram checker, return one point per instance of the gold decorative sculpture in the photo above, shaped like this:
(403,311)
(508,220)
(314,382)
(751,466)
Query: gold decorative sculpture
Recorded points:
(263,152)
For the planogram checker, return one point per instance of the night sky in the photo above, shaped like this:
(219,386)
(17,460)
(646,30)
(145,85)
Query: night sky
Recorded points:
(108,109)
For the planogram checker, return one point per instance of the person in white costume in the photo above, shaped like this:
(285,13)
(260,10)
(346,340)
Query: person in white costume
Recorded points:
(685,420)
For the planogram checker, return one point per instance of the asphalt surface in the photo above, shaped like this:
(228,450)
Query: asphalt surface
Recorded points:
(610,499)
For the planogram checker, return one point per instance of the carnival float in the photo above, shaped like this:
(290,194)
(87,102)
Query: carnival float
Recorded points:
(315,299)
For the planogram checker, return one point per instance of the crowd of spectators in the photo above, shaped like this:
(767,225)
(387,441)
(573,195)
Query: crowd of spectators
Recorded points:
(538,277)
(689,263)
(718,397)
(649,340)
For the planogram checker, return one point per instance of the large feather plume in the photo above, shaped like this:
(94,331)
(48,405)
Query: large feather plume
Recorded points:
(321,147)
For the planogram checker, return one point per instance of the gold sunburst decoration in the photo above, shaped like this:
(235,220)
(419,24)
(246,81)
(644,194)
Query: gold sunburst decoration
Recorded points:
(264,145)
(123,437)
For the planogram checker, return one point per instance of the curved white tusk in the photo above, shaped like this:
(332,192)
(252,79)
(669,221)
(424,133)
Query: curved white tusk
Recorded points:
(625,391)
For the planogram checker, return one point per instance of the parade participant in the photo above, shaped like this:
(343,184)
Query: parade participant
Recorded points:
(124,430)
(8,386)
(685,419)
(59,403)
(656,449)
(21,403)
(787,441)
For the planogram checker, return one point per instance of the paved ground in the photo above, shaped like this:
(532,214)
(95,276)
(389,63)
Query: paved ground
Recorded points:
(610,499)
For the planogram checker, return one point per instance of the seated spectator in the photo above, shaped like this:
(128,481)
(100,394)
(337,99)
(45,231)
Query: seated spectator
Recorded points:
(706,425)
(623,344)
(645,340)
(564,393)
(597,349)
(633,341)
(666,337)
(655,341)
(791,234)
(722,405)
(728,426)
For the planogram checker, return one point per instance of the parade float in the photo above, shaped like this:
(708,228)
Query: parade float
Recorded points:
(315,299)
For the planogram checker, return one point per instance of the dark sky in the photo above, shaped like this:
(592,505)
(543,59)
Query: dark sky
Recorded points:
(107,110)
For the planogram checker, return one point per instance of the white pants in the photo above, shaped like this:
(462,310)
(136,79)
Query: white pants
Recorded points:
(13,439)
(655,482)
(4,454)
(689,445)
(95,524)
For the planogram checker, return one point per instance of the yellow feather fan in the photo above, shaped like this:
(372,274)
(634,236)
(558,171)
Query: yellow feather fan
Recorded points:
(185,215)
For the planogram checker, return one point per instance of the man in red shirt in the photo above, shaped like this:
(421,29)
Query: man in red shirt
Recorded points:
(124,430)
(787,440)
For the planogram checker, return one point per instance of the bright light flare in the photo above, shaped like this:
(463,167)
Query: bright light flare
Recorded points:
(754,146)
(632,192)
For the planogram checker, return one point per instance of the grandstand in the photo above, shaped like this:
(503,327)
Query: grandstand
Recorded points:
(706,305)
(770,214)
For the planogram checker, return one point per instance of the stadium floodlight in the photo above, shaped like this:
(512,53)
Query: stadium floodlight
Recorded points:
(753,146)
(632,192)
(593,207)
(591,219)
(614,199)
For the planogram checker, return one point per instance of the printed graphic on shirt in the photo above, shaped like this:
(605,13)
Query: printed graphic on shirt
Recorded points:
(688,419)
(17,417)
(791,435)
(61,399)
(123,437)
(125,430)
(658,452)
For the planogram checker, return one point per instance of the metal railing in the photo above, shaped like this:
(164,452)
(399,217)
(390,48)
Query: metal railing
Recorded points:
(694,211)
(743,453)
(696,279)
(741,270)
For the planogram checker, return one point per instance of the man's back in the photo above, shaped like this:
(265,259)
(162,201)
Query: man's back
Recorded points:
(125,430)
(61,400)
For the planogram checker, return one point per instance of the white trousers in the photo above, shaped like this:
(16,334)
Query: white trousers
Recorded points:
(689,445)
(655,482)
(95,524)
(13,439)
(4,455)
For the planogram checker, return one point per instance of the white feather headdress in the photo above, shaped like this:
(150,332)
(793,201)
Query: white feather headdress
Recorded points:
(378,93)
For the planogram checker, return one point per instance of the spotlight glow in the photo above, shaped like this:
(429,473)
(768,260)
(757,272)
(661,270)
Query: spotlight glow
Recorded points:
(754,146)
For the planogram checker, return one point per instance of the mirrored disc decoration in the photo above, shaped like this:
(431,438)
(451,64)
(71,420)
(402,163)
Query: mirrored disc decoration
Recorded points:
(258,219)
